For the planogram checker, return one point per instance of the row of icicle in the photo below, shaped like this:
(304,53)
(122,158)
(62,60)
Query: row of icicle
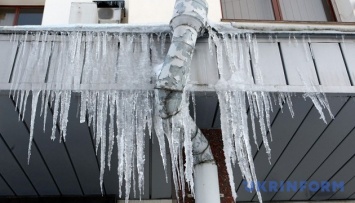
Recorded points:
(50,67)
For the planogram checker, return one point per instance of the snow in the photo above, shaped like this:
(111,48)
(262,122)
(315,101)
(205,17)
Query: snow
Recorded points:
(80,61)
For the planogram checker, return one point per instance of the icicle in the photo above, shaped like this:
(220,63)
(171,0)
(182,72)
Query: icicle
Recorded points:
(22,95)
(65,101)
(210,40)
(101,132)
(57,95)
(35,95)
(62,61)
(251,107)
(111,127)
(48,94)
(295,41)
(25,104)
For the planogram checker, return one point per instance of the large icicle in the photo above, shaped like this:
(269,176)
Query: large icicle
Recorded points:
(235,52)
(59,65)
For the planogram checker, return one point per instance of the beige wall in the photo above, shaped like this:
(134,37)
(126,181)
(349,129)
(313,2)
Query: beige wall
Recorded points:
(22,2)
(160,11)
(57,12)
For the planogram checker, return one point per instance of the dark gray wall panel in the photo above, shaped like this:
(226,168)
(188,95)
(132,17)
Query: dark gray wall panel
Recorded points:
(160,188)
(54,153)
(205,109)
(5,190)
(346,172)
(282,133)
(82,152)
(328,141)
(344,151)
(17,137)
(347,193)
(302,141)
(13,173)
(236,171)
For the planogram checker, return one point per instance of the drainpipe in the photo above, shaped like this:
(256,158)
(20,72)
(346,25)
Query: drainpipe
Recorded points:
(189,19)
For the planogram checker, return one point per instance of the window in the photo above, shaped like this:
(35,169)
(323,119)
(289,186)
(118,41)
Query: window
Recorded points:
(21,15)
(285,10)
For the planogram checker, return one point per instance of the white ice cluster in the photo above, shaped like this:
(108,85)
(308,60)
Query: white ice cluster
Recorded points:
(237,60)
(113,73)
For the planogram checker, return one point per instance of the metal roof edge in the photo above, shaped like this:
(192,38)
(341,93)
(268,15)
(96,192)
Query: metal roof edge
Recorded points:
(282,27)
(118,28)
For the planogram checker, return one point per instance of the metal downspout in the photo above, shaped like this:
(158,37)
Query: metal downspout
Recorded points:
(189,19)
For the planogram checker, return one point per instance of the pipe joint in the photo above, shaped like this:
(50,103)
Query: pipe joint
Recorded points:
(190,12)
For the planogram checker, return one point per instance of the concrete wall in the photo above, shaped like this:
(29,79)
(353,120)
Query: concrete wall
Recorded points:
(160,11)
(22,2)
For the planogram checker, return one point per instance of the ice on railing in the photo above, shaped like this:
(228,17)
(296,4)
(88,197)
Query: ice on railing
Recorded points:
(50,66)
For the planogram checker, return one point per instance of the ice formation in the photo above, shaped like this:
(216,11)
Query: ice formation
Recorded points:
(235,53)
(113,73)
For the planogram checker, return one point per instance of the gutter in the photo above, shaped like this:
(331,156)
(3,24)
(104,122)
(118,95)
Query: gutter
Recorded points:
(283,27)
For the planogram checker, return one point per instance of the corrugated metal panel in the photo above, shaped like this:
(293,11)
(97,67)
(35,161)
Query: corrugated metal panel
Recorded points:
(25,66)
(341,175)
(54,153)
(281,136)
(14,175)
(348,192)
(269,65)
(298,64)
(307,134)
(325,145)
(330,64)
(204,65)
(17,137)
(83,156)
(339,156)
(159,188)
(7,56)
(348,50)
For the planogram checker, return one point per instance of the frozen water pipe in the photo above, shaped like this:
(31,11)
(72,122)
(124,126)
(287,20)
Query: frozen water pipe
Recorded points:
(189,19)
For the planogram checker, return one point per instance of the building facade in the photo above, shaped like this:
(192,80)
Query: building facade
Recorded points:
(298,47)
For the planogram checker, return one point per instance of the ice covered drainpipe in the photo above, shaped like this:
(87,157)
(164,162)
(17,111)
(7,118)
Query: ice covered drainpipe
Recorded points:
(189,19)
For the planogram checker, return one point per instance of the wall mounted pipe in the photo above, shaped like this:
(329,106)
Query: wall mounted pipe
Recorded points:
(189,19)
